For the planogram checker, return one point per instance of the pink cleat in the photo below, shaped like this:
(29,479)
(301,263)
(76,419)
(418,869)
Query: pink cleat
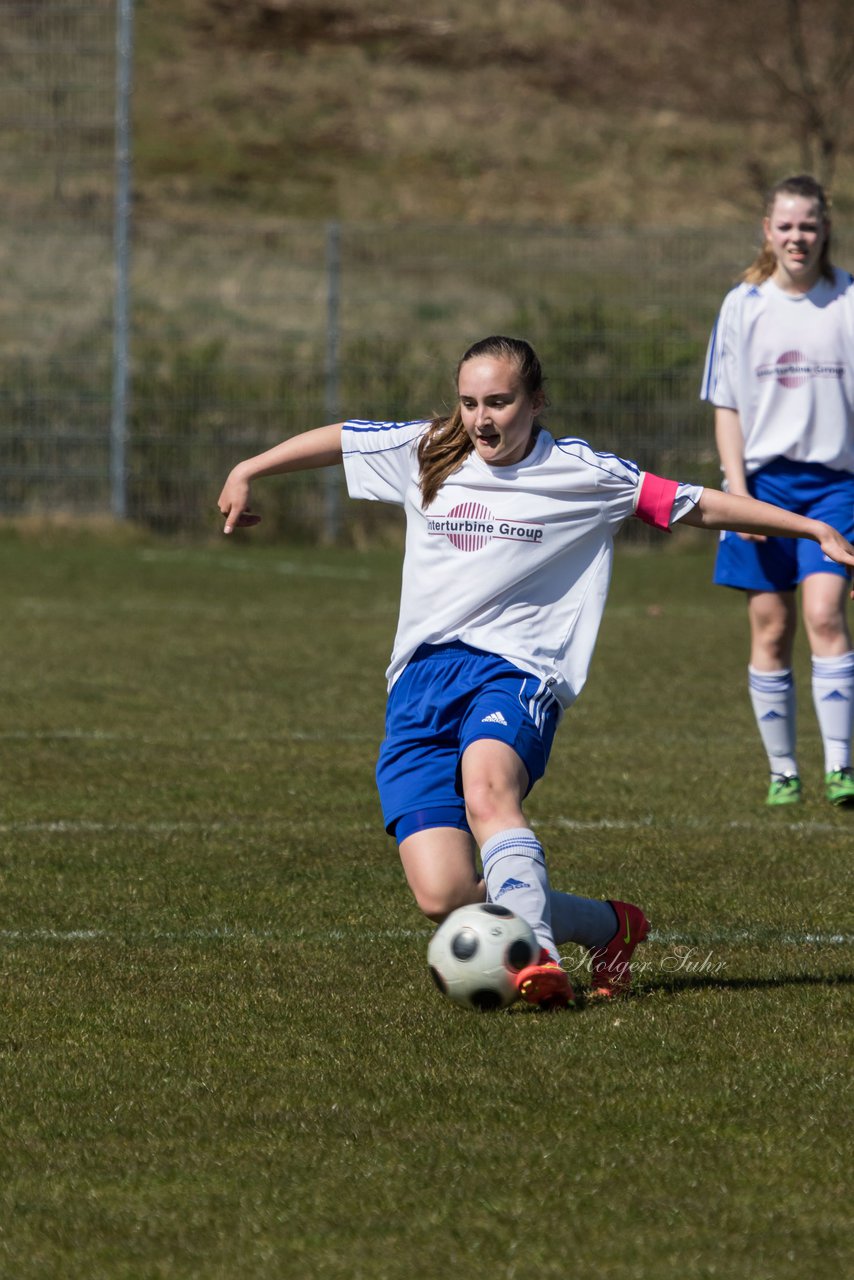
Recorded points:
(609,965)
(545,984)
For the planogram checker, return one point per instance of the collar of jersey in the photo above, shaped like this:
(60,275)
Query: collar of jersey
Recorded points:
(538,454)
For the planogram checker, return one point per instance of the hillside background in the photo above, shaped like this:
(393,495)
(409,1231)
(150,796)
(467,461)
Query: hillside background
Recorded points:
(331,199)
(595,112)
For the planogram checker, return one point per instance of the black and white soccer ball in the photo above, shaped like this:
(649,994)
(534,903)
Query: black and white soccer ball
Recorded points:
(476,955)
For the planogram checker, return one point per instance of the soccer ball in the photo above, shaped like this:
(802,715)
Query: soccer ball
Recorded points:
(476,955)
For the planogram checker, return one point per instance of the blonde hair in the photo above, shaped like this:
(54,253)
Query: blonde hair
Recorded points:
(764,264)
(445,444)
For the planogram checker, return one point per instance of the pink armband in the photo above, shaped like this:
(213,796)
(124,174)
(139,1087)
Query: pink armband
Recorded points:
(655,500)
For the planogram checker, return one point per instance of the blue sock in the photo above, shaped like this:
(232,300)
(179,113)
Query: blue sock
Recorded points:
(592,922)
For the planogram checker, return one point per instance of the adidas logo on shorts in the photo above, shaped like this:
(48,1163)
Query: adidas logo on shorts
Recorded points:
(495,718)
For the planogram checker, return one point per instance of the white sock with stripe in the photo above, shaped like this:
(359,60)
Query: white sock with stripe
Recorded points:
(514,867)
(833,697)
(772,694)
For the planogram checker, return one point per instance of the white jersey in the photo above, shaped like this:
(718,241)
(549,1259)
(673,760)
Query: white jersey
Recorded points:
(513,560)
(785,362)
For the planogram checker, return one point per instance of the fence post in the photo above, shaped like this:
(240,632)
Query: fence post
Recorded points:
(331,490)
(121,250)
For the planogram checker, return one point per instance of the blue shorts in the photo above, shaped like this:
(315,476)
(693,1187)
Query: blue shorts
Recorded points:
(447,697)
(779,564)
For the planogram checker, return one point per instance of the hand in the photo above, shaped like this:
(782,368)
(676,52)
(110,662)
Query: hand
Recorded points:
(753,537)
(837,548)
(234,504)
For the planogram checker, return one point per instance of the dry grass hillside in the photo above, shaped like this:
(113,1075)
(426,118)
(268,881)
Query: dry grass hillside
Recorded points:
(632,112)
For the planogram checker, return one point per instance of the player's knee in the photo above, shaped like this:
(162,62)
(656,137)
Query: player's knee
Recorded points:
(487,803)
(438,901)
(773,620)
(434,912)
(826,625)
(772,646)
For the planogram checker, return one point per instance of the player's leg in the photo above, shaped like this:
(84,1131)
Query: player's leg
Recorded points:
(768,570)
(494,780)
(773,622)
(417,782)
(824,602)
(441,870)
(509,846)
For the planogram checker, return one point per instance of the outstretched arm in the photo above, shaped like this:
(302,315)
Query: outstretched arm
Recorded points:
(318,448)
(717,510)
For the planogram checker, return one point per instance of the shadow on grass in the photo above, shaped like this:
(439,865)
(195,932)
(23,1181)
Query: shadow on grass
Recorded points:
(680,985)
(699,982)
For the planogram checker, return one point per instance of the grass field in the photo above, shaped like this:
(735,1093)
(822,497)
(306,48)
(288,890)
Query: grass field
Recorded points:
(222,1055)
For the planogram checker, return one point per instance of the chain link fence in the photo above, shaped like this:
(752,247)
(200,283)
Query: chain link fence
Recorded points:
(241,336)
(57,115)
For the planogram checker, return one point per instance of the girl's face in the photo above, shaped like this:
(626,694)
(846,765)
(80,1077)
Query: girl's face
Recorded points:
(498,414)
(796,233)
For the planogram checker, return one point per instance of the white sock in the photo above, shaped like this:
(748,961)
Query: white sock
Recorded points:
(514,867)
(772,694)
(833,696)
(591,922)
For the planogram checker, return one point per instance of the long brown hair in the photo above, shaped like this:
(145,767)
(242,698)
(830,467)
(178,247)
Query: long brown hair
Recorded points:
(764,264)
(445,444)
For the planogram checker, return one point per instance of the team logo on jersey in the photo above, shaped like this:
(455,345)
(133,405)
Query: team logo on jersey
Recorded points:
(470,525)
(793,369)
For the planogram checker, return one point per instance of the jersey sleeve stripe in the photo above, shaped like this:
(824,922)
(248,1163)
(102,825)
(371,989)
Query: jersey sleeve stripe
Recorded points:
(368,424)
(711,365)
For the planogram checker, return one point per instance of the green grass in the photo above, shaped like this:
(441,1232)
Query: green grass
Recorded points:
(221,1053)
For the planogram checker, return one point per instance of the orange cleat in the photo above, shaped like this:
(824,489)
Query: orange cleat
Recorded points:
(545,984)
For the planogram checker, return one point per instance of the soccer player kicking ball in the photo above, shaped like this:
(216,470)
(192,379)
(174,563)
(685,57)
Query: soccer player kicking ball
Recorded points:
(509,547)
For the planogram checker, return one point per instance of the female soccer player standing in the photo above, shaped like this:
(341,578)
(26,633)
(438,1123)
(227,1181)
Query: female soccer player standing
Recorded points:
(780,373)
(509,541)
